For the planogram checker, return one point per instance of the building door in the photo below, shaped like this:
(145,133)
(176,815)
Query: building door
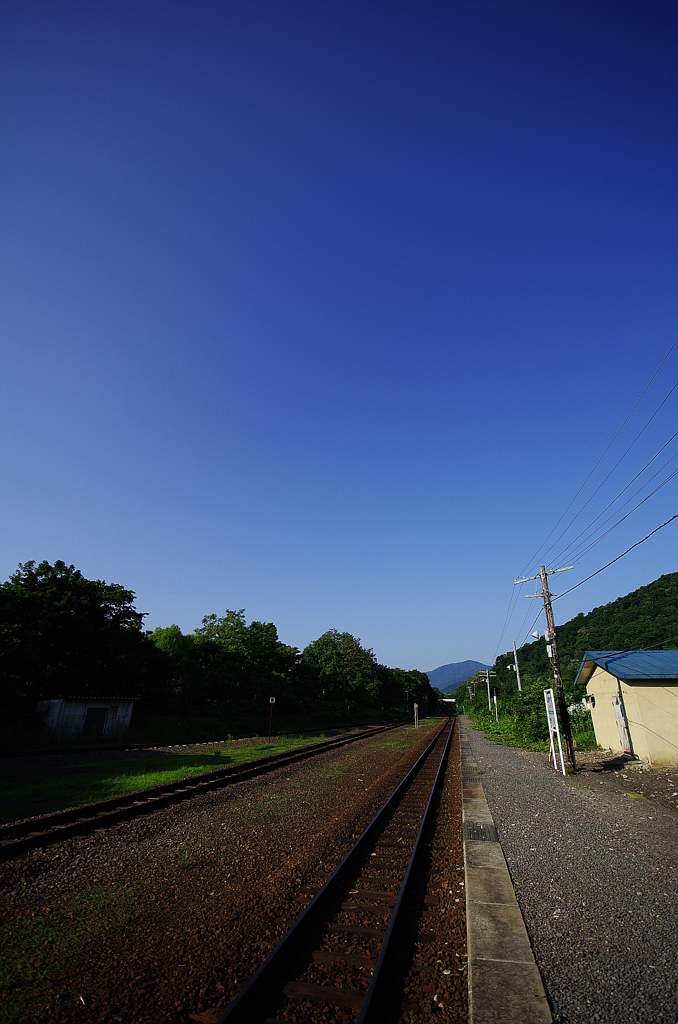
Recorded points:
(620,715)
(95,720)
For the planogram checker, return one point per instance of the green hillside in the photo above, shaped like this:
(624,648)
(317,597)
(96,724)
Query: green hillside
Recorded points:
(647,617)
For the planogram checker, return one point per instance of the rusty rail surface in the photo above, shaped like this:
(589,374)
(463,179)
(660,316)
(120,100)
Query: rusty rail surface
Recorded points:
(18,837)
(315,958)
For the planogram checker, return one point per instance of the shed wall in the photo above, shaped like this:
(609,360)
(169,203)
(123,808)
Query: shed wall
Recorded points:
(658,712)
(604,687)
(651,714)
(65,719)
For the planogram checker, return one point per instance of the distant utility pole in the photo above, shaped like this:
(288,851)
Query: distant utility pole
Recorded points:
(515,662)
(553,655)
(487,677)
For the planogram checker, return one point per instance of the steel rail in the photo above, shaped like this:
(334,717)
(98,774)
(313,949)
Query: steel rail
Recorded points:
(18,837)
(249,1006)
(367,1012)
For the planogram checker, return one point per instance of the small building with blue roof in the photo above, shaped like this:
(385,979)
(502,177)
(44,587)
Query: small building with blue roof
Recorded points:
(633,697)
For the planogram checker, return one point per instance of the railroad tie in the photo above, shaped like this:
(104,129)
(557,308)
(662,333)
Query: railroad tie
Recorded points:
(352,959)
(347,998)
(349,929)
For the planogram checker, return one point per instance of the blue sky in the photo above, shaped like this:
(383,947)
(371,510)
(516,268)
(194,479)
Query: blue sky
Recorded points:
(327,309)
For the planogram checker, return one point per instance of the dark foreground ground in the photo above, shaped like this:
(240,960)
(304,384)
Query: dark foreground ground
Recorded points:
(594,863)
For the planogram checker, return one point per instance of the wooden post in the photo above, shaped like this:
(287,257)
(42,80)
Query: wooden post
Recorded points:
(555,661)
(515,662)
(553,654)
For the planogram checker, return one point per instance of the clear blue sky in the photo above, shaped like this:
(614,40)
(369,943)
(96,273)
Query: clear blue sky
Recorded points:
(327,309)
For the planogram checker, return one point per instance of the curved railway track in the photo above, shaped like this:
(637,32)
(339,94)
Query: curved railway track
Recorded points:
(339,959)
(18,837)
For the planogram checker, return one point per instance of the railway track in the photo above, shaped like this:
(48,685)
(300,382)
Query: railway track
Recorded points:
(18,837)
(339,959)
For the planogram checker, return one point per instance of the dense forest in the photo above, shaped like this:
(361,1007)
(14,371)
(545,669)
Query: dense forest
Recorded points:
(63,635)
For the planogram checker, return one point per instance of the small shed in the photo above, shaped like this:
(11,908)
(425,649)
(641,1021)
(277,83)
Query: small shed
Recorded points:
(633,697)
(94,717)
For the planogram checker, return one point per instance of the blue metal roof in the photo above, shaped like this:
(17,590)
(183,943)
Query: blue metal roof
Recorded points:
(629,665)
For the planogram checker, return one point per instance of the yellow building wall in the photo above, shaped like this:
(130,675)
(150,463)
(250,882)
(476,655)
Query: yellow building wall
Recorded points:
(604,687)
(634,720)
(658,711)
(651,714)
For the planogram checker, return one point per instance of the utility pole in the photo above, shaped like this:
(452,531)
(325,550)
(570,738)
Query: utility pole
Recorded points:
(553,655)
(487,677)
(515,662)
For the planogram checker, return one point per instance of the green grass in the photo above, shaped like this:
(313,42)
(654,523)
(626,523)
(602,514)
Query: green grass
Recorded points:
(39,950)
(22,797)
(271,804)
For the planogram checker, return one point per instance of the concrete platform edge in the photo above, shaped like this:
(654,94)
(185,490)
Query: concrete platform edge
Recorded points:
(504,984)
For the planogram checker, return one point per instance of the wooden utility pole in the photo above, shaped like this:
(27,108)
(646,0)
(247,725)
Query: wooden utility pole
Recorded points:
(515,662)
(487,677)
(553,655)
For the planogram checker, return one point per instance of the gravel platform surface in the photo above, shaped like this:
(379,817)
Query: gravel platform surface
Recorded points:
(595,871)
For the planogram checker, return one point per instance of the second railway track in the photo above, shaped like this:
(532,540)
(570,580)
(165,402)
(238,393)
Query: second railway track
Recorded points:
(18,837)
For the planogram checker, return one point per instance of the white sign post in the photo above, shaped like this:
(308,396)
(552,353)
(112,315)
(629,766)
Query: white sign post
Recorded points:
(416,716)
(553,728)
(496,711)
(270,720)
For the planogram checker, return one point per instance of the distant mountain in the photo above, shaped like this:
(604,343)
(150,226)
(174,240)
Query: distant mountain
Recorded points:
(448,677)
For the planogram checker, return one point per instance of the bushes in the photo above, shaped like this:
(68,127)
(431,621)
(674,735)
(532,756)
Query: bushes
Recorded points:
(522,719)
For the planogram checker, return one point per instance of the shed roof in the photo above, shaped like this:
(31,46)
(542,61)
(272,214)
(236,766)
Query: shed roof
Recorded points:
(629,665)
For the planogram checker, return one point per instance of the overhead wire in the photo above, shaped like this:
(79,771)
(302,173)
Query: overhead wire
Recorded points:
(621,459)
(652,532)
(512,603)
(666,640)
(512,600)
(531,627)
(573,556)
(619,521)
(581,488)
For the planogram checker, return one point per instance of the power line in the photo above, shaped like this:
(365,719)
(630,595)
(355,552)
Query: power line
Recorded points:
(621,459)
(611,503)
(513,599)
(615,525)
(600,460)
(503,629)
(592,543)
(618,557)
(531,627)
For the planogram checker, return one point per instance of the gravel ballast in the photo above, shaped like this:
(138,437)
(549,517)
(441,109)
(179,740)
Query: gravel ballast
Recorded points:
(194,897)
(595,871)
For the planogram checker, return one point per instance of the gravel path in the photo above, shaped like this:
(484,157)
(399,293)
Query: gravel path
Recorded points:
(595,872)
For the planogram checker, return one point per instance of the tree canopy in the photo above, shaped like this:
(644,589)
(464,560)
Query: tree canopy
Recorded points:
(62,634)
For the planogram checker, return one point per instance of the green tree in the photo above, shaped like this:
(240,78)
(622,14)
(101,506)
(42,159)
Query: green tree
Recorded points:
(254,659)
(64,635)
(195,668)
(345,669)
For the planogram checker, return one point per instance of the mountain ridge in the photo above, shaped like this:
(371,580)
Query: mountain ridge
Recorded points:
(448,677)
